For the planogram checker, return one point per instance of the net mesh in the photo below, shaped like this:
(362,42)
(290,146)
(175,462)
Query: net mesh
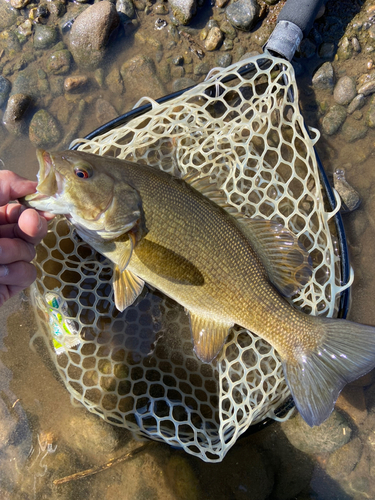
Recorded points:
(137,368)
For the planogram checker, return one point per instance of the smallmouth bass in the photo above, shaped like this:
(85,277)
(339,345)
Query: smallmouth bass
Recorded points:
(178,236)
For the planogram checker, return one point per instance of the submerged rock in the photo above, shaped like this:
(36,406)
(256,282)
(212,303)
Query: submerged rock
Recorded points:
(90,32)
(243,14)
(344,91)
(44,36)
(139,76)
(14,113)
(5,87)
(327,437)
(58,62)
(323,77)
(349,196)
(105,112)
(43,130)
(183,10)
(334,119)
(8,15)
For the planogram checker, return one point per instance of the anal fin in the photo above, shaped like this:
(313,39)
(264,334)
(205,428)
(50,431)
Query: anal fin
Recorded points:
(127,287)
(208,336)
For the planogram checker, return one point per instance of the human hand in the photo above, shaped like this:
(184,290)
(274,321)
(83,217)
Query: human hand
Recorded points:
(21,229)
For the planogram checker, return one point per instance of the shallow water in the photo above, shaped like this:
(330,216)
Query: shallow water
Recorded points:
(47,438)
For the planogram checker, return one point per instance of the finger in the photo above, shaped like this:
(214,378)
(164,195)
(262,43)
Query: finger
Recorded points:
(12,186)
(6,292)
(31,227)
(14,249)
(19,273)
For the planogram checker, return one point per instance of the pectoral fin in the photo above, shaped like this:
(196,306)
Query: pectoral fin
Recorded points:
(127,286)
(208,336)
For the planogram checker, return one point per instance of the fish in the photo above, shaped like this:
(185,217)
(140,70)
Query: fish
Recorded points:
(180,236)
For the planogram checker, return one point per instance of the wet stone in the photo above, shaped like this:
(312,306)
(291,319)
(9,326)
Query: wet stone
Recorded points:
(343,461)
(323,78)
(183,10)
(326,50)
(88,38)
(307,48)
(177,72)
(44,36)
(357,103)
(8,15)
(201,68)
(5,87)
(182,83)
(227,44)
(104,111)
(56,85)
(114,82)
(75,83)
(139,75)
(370,118)
(327,437)
(229,30)
(349,196)
(345,49)
(161,8)
(126,7)
(367,88)
(243,14)
(334,119)
(224,60)
(214,38)
(57,8)
(344,91)
(59,62)
(14,113)
(353,131)
(43,130)
(19,4)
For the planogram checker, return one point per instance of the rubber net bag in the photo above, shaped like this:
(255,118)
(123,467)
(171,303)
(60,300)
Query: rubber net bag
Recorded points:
(137,369)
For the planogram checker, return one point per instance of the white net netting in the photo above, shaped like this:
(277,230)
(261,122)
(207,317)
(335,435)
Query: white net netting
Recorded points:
(137,369)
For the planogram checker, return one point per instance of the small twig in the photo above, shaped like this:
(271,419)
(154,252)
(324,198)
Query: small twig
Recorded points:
(100,468)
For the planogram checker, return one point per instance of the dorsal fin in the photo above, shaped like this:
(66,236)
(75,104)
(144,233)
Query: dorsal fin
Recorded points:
(203,184)
(286,260)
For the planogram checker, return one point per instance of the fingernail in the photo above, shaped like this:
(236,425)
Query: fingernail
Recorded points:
(4,271)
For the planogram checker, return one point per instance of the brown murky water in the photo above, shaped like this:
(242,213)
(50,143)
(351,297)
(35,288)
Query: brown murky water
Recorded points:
(49,438)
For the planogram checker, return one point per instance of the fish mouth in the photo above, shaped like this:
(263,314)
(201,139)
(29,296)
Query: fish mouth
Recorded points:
(50,183)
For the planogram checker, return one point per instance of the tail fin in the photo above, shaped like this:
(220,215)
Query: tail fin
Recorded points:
(346,353)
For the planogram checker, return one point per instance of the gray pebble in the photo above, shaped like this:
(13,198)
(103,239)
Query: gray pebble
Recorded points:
(5,87)
(326,50)
(357,103)
(327,437)
(223,60)
(43,130)
(227,44)
(333,120)
(14,113)
(370,118)
(243,14)
(125,7)
(183,10)
(345,49)
(213,39)
(344,91)
(356,45)
(8,15)
(58,62)
(349,196)
(44,36)
(57,8)
(201,68)
(367,88)
(105,112)
(178,60)
(161,8)
(212,24)
(229,30)
(324,77)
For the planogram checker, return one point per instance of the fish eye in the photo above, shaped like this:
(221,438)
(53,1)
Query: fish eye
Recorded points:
(82,173)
